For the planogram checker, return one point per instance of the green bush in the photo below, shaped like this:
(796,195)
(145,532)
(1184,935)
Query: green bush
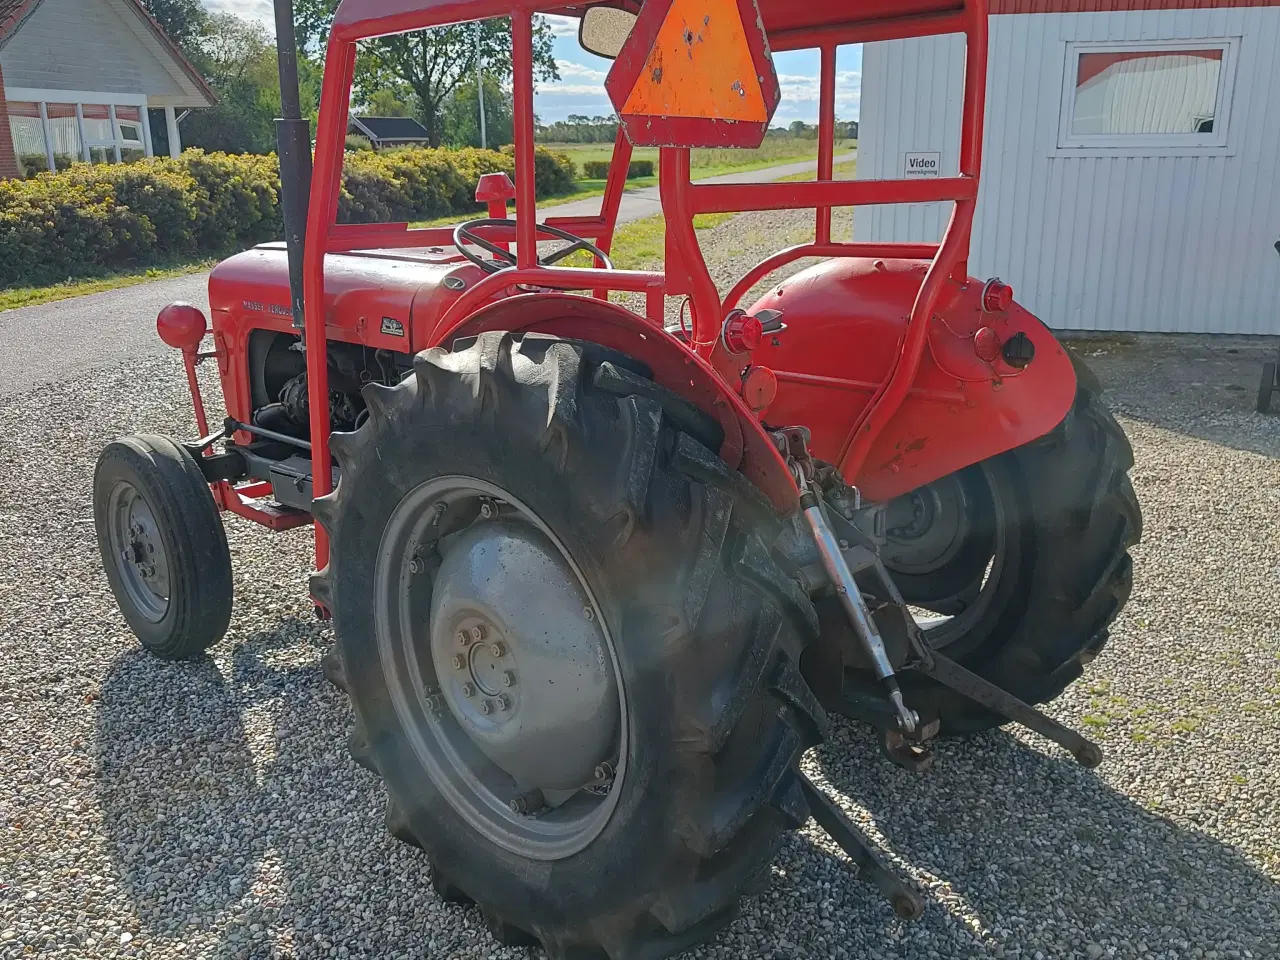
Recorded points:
(599,169)
(88,219)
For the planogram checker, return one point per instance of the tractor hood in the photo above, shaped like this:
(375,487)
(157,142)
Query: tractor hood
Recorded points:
(385,299)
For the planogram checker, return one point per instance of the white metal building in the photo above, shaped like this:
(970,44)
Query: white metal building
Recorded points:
(1131,178)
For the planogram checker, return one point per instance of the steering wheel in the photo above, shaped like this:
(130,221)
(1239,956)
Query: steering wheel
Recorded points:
(465,237)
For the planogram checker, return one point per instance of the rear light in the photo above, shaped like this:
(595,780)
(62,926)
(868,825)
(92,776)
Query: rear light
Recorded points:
(997,296)
(741,333)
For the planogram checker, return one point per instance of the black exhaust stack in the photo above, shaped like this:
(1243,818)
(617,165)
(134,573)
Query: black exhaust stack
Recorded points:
(293,146)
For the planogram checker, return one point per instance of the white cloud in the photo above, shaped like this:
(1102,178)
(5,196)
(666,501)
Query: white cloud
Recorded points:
(570,89)
(562,26)
(259,10)
(568,68)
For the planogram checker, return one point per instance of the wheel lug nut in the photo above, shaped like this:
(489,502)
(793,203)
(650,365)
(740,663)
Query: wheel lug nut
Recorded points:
(486,510)
(528,803)
(486,707)
(415,565)
(459,661)
(434,704)
(498,648)
(508,678)
(478,632)
(464,638)
(604,771)
(468,689)
(504,702)
(588,613)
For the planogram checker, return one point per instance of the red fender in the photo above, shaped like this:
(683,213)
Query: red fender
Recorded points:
(845,320)
(746,447)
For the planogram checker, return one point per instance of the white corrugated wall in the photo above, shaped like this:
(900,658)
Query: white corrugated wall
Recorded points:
(1143,243)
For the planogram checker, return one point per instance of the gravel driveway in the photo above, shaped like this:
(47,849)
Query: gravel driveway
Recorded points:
(210,809)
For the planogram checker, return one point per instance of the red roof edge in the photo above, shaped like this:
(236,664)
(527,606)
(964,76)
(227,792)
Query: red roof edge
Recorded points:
(12,13)
(187,66)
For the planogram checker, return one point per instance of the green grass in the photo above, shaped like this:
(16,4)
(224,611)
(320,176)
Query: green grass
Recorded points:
(839,171)
(641,244)
(711,162)
(34,296)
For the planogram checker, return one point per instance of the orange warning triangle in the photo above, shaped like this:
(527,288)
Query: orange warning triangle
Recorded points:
(699,66)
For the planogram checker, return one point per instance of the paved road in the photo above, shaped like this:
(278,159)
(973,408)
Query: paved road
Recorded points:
(56,341)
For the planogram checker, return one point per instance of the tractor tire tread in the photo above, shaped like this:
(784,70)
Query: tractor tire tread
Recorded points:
(721,632)
(1087,518)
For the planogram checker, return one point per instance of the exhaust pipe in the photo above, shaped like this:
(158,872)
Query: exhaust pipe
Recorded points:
(293,147)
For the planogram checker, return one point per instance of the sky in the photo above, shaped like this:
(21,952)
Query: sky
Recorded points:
(580,89)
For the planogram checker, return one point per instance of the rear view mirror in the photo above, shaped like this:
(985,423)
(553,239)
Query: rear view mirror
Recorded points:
(604,30)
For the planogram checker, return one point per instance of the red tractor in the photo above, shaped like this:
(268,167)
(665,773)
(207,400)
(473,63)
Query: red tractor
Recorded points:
(597,584)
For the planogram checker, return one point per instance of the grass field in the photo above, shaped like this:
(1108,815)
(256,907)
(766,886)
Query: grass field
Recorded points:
(708,163)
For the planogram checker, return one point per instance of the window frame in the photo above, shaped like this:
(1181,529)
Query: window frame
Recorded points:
(115,146)
(1147,144)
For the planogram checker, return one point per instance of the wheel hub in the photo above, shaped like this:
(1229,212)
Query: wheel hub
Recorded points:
(144,566)
(522,662)
(928,527)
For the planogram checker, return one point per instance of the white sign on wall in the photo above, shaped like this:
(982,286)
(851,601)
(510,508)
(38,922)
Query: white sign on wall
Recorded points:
(922,165)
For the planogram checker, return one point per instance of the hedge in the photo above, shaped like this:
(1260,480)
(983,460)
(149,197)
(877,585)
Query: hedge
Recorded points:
(599,169)
(91,218)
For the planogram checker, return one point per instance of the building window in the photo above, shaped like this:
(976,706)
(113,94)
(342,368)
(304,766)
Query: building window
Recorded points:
(71,132)
(1174,94)
(28,137)
(129,122)
(64,134)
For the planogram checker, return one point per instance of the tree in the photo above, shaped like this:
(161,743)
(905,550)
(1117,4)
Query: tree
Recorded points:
(183,20)
(460,115)
(239,60)
(389,102)
(432,63)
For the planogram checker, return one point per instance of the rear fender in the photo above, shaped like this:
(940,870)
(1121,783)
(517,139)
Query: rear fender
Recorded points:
(845,322)
(746,447)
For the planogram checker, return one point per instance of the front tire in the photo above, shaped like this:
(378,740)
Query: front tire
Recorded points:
(1042,568)
(163,546)
(570,458)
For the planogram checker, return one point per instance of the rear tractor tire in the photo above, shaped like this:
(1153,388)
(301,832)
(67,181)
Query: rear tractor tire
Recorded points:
(163,546)
(571,657)
(1027,554)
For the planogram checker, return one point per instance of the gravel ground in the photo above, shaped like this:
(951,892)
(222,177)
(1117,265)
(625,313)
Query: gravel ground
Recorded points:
(210,809)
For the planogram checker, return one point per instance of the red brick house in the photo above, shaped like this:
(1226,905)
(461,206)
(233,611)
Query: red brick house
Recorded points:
(77,78)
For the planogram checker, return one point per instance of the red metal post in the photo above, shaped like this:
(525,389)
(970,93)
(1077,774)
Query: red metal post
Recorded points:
(619,166)
(951,256)
(974,109)
(826,135)
(322,214)
(197,401)
(683,251)
(526,194)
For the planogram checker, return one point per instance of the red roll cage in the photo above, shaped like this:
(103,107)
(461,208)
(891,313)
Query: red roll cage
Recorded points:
(790,26)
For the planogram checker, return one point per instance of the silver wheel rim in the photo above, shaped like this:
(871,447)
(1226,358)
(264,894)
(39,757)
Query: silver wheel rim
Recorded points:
(500,667)
(137,549)
(940,500)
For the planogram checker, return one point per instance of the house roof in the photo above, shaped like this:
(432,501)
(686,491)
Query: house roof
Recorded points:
(13,13)
(391,128)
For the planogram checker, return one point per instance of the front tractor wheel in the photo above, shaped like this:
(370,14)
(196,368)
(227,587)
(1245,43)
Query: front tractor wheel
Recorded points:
(571,657)
(1018,565)
(163,545)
